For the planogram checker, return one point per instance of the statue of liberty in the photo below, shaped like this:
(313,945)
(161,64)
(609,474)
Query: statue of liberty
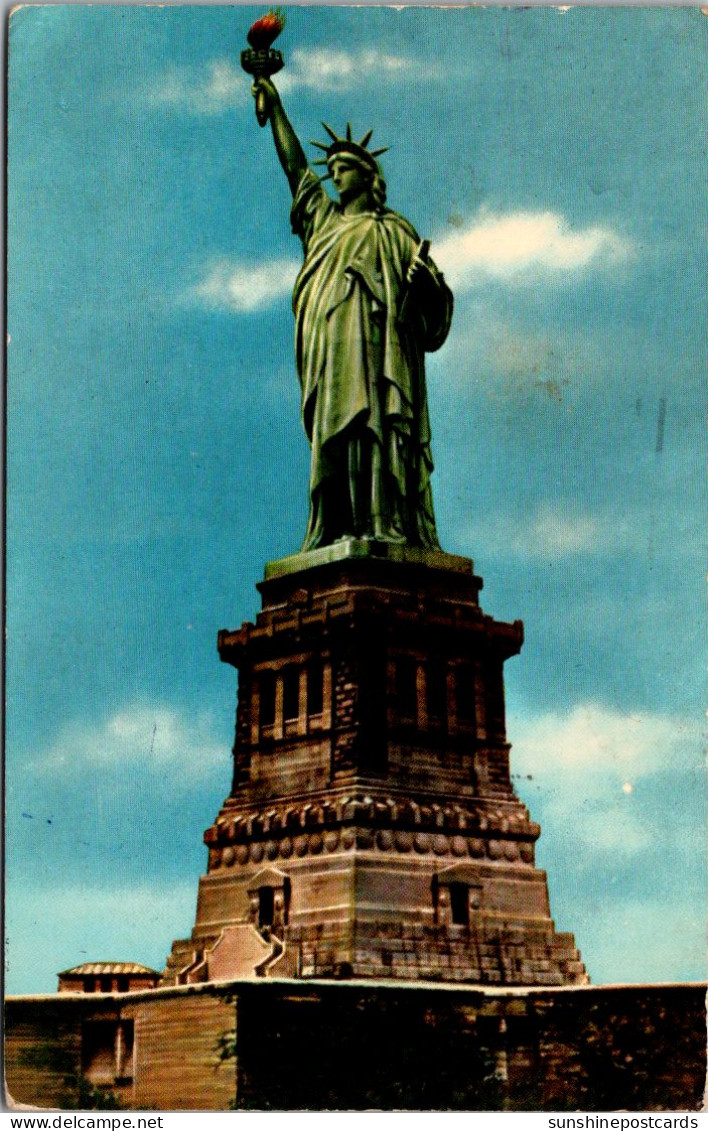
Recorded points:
(368,304)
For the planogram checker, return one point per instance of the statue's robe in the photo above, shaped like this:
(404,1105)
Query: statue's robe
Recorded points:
(360,358)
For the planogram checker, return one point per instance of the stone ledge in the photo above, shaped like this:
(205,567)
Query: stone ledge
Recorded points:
(304,988)
(356,548)
(510,822)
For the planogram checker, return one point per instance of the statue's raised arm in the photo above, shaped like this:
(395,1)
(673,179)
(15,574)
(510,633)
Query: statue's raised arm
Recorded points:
(368,303)
(290,152)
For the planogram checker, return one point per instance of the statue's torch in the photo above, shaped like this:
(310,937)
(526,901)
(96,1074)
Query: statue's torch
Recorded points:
(260,60)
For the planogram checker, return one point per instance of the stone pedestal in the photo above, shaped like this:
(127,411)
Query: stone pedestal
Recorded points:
(372,829)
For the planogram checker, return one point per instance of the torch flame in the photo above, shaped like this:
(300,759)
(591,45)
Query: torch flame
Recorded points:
(266,30)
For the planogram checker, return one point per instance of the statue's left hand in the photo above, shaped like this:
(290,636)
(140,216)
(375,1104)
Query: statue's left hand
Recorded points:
(418,272)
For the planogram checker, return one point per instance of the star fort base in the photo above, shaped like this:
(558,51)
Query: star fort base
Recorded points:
(372,830)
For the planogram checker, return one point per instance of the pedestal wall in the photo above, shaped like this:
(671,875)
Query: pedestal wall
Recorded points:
(372,799)
(275,1045)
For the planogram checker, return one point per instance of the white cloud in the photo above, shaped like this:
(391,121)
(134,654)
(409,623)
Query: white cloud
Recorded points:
(550,533)
(554,534)
(582,762)
(156,738)
(600,742)
(561,531)
(329,69)
(241,287)
(222,83)
(512,248)
(521,245)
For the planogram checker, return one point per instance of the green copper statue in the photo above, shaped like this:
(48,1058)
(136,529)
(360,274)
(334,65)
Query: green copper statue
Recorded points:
(368,304)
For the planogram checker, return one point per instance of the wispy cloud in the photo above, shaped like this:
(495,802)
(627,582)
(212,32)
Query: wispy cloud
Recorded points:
(209,90)
(506,247)
(331,70)
(115,803)
(603,744)
(221,83)
(558,534)
(551,532)
(153,738)
(517,247)
(243,287)
(590,764)
(558,530)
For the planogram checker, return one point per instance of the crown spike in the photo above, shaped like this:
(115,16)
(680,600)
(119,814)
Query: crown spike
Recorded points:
(322,162)
(366,139)
(349,131)
(320,145)
(331,133)
(378,152)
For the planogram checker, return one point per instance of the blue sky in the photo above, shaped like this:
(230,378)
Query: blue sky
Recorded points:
(156,459)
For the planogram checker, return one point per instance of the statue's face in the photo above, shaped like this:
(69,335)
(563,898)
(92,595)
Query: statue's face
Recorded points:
(349,179)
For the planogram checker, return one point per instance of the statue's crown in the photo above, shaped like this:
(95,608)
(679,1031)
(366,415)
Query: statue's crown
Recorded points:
(347,147)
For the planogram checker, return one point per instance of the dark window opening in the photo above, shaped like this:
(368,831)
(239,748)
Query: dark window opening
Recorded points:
(107,1052)
(291,693)
(266,907)
(267,697)
(123,983)
(464,695)
(436,692)
(406,687)
(460,904)
(495,700)
(98,1055)
(106,985)
(89,985)
(315,688)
